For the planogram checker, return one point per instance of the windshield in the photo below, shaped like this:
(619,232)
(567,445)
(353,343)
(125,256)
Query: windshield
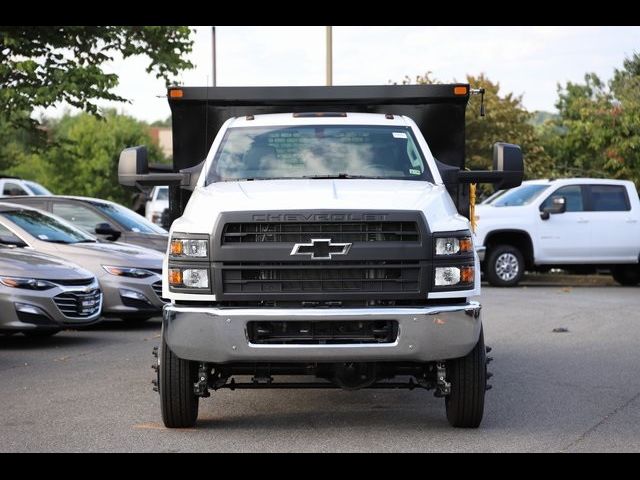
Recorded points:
(522,195)
(38,189)
(163,193)
(318,151)
(130,220)
(45,227)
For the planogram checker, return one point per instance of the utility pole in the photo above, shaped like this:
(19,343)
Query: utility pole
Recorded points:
(329,35)
(213,53)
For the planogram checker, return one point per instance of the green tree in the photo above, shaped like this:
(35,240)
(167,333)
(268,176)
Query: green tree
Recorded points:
(40,66)
(506,120)
(82,158)
(598,132)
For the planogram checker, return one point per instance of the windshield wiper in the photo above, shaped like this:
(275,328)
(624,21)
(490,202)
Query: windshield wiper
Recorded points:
(341,175)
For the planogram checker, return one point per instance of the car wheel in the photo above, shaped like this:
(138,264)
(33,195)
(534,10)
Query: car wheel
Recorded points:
(505,266)
(468,377)
(178,401)
(627,275)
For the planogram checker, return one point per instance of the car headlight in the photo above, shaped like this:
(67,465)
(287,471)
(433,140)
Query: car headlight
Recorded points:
(458,276)
(188,248)
(189,277)
(27,283)
(453,245)
(128,272)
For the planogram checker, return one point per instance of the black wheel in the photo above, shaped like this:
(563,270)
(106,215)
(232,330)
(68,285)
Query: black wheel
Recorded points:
(628,275)
(504,266)
(40,333)
(468,377)
(178,402)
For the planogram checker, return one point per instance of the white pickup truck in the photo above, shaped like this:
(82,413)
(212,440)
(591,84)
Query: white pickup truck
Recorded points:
(319,239)
(578,224)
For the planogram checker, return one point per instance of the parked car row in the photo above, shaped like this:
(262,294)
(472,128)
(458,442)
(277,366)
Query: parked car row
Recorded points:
(64,264)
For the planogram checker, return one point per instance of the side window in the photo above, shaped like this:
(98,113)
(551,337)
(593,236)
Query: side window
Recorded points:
(7,237)
(573,195)
(78,215)
(609,198)
(12,189)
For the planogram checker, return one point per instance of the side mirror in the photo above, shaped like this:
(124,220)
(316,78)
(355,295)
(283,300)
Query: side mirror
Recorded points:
(558,205)
(107,229)
(133,171)
(508,168)
(507,158)
(133,163)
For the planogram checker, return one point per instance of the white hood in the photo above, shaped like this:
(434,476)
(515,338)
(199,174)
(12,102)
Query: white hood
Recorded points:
(207,203)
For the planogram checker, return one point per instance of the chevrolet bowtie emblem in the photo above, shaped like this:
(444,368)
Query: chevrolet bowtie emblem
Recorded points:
(320,249)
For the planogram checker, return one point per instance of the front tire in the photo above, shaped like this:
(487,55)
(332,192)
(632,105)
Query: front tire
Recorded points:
(505,266)
(178,402)
(627,275)
(468,377)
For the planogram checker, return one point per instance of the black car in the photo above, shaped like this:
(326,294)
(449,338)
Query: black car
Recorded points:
(108,220)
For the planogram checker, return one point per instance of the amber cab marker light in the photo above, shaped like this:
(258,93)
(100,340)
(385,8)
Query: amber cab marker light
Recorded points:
(459,90)
(176,93)
(175,277)
(466,275)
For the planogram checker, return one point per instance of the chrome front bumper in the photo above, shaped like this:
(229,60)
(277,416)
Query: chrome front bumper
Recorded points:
(219,335)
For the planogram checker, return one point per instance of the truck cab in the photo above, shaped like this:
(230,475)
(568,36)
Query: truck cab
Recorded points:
(324,243)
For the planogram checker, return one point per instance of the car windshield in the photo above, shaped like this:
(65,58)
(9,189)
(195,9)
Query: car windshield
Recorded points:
(37,189)
(522,195)
(163,193)
(46,227)
(130,220)
(318,151)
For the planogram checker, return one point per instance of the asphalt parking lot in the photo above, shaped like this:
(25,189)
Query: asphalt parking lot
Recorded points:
(578,390)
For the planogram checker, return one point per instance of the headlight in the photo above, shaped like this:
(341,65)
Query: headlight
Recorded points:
(454,276)
(453,245)
(128,272)
(188,247)
(189,277)
(28,283)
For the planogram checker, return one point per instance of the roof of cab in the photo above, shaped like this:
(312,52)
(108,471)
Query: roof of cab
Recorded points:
(350,118)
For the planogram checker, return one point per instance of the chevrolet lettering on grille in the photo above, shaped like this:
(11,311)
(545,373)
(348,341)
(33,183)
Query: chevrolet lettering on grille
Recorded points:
(321,249)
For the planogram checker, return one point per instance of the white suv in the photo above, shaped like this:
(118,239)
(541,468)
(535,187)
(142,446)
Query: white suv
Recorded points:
(158,202)
(13,186)
(576,223)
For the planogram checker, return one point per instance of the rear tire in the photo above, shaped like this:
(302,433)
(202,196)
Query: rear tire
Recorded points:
(178,402)
(468,377)
(504,266)
(627,275)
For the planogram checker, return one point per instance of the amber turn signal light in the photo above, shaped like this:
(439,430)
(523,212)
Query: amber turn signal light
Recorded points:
(459,90)
(176,93)
(175,277)
(467,274)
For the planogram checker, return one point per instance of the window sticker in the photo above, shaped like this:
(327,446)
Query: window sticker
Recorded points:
(399,135)
(43,237)
(413,171)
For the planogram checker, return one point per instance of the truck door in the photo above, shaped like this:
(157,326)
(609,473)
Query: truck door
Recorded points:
(615,227)
(565,237)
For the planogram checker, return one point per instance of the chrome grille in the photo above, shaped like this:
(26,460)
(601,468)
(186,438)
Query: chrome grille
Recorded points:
(79,304)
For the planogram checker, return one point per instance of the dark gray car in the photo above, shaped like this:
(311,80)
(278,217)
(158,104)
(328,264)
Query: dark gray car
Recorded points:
(129,275)
(107,220)
(41,295)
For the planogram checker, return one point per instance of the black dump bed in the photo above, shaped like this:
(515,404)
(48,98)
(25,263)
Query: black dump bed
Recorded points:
(438,110)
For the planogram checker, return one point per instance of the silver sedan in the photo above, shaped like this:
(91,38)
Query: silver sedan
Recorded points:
(129,276)
(41,295)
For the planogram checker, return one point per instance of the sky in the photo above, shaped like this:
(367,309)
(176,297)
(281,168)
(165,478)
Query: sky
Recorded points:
(528,61)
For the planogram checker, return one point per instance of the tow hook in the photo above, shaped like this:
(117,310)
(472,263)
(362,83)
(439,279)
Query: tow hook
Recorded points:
(443,388)
(201,387)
